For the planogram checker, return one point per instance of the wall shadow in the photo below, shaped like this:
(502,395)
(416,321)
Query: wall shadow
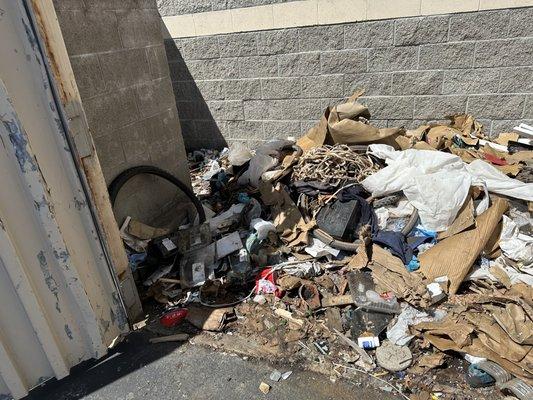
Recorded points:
(134,353)
(198,126)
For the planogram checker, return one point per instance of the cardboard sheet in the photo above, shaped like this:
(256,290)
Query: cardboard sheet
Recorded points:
(496,328)
(455,255)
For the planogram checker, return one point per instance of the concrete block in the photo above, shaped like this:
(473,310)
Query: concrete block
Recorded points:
(157,59)
(446,56)
(187,130)
(226,110)
(428,7)
(492,4)
(199,48)
(384,107)
(244,130)
(437,107)
(209,133)
(414,82)
(211,89)
(313,109)
(134,140)
(504,53)
(272,109)
(383,9)
(151,4)
(405,123)
(110,153)
(237,44)
(242,89)
(107,113)
(521,22)
(258,66)
(374,84)
(277,42)
(187,90)
(124,68)
(139,28)
(172,48)
(87,32)
(506,125)
(252,18)
(471,81)
(220,68)
(177,7)
(109,4)
(516,80)
(61,5)
(369,34)
(281,129)
(281,88)
(179,71)
(193,110)
(339,11)
(245,3)
(293,14)
(213,23)
(321,38)
(475,26)
(344,61)
(178,26)
(497,106)
(88,75)
(154,96)
(299,64)
(306,125)
(393,58)
(411,31)
(322,86)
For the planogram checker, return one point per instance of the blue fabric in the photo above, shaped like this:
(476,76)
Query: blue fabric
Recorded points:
(413,265)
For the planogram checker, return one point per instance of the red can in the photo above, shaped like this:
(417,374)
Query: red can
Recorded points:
(173,318)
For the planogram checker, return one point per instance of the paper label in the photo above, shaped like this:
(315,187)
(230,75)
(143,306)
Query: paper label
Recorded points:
(168,244)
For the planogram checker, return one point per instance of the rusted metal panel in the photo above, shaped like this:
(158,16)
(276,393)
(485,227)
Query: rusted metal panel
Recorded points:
(60,301)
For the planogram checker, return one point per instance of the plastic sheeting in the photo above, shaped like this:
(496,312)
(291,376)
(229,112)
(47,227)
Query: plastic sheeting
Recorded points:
(515,245)
(437,183)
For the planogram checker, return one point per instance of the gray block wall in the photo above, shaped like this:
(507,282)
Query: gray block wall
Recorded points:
(117,53)
(178,7)
(253,86)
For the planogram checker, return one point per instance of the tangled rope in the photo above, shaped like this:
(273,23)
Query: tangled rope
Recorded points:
(334,165)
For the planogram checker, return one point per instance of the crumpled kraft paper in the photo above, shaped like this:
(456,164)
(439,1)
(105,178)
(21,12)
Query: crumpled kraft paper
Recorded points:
(347,124)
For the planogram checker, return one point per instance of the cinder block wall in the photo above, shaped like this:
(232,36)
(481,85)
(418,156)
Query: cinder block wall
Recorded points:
(176,7)
(117,53)
(252,86)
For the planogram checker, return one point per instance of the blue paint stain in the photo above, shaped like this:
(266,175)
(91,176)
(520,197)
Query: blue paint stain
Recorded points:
(79,204)
(48,278)
(68,331)
(63,255)
(20,144)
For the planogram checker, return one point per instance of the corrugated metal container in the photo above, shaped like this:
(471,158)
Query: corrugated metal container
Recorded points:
(59,302)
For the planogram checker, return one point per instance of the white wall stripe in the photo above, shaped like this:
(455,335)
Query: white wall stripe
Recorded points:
(318,12)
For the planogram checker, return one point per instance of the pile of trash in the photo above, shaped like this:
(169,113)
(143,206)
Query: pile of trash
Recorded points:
(388,252)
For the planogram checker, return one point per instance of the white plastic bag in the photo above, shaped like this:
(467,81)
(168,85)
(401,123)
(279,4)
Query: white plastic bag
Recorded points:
(239,154)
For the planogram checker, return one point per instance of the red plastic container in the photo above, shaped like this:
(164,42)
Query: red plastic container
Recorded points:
(173,318)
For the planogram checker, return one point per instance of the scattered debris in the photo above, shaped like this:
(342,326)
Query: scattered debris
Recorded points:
(264,388)
(275,376)
(358,250)
(393,358)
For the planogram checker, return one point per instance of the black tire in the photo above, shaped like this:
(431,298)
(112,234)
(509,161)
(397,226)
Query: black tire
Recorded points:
(124,176)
